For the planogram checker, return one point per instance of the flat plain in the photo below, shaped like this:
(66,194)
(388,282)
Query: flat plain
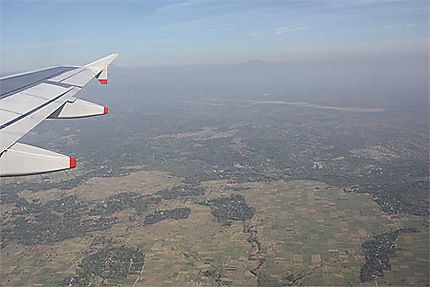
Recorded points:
(308,232)
(218,192)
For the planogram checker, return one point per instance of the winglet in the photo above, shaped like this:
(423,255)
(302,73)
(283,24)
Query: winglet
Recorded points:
(99,67)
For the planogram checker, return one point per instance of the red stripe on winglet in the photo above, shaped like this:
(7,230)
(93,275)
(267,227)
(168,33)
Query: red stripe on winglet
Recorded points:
(105,111)
(103,81)
(72,162)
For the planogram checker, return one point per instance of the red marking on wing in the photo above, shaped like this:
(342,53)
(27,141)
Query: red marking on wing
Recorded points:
(72,162)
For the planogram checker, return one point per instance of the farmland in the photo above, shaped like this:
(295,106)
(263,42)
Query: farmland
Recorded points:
(219,191)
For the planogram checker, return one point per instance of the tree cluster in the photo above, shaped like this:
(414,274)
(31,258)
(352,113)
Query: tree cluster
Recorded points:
(121,201)
(378,252)
(49,228)
(107,263)
(180,191)
(234,207)
(160,215)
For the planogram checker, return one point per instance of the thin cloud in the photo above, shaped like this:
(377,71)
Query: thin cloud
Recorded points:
(252,34)
(218,29)
(159,42)
(202,6)
(292,28)
(368,7)
(178,5)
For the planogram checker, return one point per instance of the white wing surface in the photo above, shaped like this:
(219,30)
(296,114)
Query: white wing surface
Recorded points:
(28,99)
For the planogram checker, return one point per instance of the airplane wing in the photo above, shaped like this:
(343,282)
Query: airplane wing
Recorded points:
(28,99)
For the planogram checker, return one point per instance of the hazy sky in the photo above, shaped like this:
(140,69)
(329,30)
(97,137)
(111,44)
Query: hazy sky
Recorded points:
(36,34)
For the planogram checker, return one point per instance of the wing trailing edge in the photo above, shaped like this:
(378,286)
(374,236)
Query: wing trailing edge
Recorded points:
(78,109)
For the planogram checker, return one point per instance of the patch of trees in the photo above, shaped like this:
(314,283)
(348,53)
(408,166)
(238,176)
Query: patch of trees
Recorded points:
(121,201)
(234,207)
(100,242)
(8,196)
(107,263)
(57,220)
(66,204)
(378,252)
(393,199)
(160,215)
(10,190)
(51,222)
(47,228)
(180,191)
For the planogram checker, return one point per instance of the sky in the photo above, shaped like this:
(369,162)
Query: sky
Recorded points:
(38,34)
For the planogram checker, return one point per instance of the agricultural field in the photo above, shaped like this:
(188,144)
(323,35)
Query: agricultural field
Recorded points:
(219,190)
(302,232)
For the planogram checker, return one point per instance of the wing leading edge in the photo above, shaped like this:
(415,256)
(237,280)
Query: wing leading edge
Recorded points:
(28,99)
